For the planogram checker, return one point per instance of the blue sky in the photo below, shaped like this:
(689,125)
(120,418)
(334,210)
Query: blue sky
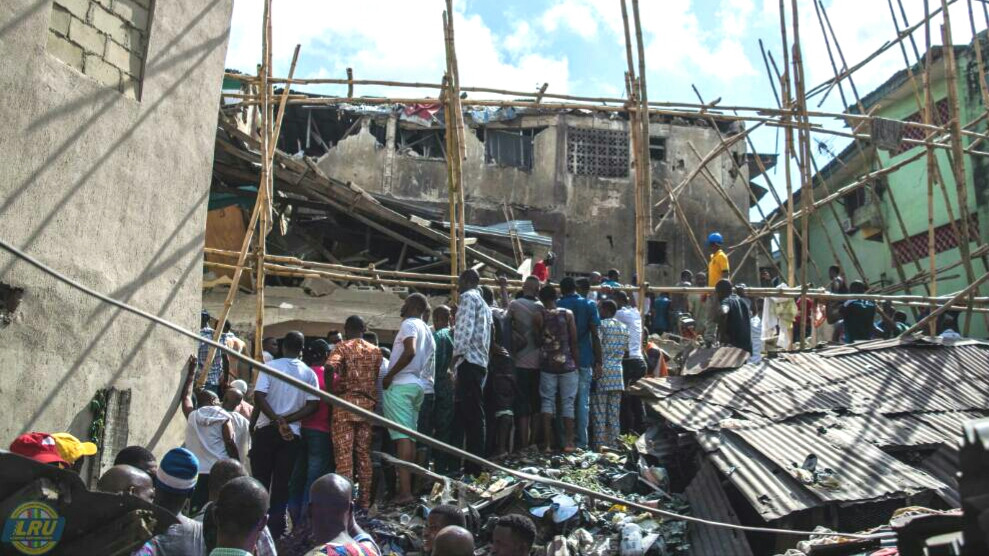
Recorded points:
(577,46)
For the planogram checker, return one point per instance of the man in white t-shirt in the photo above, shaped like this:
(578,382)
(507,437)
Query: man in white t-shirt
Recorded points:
(411,358)
(209,433)
(632,415)
(276,443)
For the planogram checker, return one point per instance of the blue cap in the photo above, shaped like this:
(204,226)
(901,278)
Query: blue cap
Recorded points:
(715,237)
(178,471)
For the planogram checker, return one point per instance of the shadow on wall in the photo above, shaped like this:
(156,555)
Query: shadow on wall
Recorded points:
(107,99)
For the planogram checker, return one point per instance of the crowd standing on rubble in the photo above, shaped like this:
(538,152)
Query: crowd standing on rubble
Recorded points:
(548,372)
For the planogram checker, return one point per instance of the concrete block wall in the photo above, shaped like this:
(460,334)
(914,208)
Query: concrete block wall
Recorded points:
(104,39)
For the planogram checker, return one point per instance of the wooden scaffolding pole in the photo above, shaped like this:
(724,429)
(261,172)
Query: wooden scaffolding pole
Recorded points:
(264,186)
(787,148)
(643,166)
(931,167)
(967,292)
(455,129)
(957,150)
(806,183)
(890,193)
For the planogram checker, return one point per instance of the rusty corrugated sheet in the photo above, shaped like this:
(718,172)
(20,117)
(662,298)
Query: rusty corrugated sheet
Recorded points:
(759,422)
(861,471)
(708,501)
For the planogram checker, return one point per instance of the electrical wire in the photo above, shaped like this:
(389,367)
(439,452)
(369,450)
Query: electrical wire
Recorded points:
(379,420)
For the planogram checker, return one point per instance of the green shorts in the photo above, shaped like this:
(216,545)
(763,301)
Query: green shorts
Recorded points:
(402,403)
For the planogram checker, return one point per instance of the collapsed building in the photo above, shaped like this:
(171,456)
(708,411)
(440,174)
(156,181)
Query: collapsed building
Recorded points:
(569,172)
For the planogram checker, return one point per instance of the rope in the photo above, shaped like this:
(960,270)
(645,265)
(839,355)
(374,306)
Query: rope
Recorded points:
(379,420)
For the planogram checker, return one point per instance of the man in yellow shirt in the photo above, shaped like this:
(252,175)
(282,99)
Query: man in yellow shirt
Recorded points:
(717,270)
(717,266)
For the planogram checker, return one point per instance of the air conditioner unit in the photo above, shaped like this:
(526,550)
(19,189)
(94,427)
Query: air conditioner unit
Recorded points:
(847,226)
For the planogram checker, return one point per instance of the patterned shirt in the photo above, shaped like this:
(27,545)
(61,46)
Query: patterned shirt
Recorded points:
(363,545)
(216,369)
(472,332)
(614,342)
(358,363)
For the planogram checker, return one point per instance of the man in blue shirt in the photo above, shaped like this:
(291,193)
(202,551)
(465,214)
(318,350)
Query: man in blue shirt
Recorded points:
(858,314)
(661,314)
(587,319)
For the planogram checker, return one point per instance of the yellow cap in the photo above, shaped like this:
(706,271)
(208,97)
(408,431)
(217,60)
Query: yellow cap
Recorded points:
(71,448)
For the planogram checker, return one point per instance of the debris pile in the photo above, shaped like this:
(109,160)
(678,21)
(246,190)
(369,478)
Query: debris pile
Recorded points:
(586,526)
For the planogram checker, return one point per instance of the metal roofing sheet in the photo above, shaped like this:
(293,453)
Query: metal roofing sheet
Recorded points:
(948,423)
(770,491)
(863,472)
(708,501)
(943,465)
(690,414)
(879,430)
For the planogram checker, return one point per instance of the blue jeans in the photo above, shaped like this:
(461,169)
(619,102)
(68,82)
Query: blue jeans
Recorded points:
(315,460)
(582,406)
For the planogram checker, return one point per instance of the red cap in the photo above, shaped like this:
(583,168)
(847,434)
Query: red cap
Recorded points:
(38,446)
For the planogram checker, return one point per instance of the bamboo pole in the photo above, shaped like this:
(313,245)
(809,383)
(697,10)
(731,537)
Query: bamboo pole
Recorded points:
(256,214)
(967,292)
(457,152)
(643,164)
(961,187)
(806,185)
(890,193)
(265,184)
(451,184)
(817,294)
(787,149)
(931,166)
(737,212)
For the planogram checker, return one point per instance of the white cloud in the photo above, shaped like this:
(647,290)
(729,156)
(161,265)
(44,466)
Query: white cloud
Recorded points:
(388,39)
(522,39)
(577,16)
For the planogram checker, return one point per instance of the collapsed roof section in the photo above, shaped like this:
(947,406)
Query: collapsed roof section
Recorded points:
(308,197)
(841,427)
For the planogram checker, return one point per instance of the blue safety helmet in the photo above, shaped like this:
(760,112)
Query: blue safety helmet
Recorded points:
(715,237)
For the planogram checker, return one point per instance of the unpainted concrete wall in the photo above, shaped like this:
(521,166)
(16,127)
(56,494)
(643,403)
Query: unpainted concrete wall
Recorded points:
(111,191)
(591,219)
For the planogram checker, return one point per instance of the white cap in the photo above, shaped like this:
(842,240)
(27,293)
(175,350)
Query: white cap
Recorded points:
(239,385)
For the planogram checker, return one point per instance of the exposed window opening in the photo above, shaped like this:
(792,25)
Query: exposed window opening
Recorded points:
(856,200)
(597,152)
(425,143)
(657,148)
(315,130)
(10,299)
(379,131)
(509,147)
(656,252)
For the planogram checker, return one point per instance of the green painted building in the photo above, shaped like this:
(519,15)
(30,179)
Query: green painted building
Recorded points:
(868,217)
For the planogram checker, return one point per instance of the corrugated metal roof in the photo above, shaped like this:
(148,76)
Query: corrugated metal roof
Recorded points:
(758,423)
(878,430)
(770,491)
(708,501)
(943,465)
(861,471)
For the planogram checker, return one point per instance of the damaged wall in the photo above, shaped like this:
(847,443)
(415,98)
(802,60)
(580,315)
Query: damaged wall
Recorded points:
(112,191)
(589,211)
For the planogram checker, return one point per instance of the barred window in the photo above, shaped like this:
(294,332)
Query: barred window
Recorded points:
(597,152)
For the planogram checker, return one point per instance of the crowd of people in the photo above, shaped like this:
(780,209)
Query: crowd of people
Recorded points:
(548,369)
